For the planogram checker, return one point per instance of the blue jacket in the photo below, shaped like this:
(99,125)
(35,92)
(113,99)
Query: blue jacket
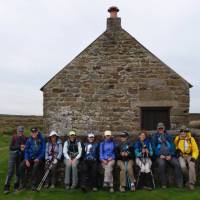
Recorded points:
(138,146)
(107,149)
(91,151)
(157,141)
(35,149)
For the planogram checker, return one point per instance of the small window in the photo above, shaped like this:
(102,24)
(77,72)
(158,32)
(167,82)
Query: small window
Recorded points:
(151,116)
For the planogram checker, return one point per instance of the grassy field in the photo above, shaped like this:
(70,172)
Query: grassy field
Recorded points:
(170,193)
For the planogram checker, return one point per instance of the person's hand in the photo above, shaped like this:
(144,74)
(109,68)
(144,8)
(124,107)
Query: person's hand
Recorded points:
(122,154)
(22,147)
(110,158)
(28,163)
(55,161)
(168,157)
(36,160)
(125,154)
(143,150)
(104,162)
(162,157)
(192,160)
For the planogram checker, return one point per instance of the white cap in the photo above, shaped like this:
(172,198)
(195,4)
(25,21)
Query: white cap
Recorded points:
(53,133)
(90,135)
(107,133)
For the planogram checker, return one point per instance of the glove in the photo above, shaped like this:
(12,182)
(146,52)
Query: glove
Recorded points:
(192,160)
(55,161)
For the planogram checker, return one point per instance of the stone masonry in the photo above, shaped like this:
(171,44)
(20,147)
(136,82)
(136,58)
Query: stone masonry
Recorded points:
(106,85)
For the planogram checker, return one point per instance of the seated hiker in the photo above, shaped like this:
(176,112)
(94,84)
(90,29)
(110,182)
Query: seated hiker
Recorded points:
(16,155)
(143,152)
(164,149)
(34,154)
(125,155)
(90,164)
(72,152)
(187,152)
(107,158)
(53,155)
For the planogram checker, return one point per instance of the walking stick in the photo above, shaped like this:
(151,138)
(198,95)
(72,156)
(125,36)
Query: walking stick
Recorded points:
(128,181)
(45,175)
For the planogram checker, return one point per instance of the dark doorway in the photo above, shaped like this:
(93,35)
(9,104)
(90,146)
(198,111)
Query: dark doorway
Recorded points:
(150,116)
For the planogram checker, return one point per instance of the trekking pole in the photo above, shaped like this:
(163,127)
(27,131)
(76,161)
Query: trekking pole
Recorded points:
(143,161)
(44,177)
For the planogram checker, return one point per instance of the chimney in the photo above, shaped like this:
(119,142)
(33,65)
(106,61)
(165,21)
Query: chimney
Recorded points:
(113,22)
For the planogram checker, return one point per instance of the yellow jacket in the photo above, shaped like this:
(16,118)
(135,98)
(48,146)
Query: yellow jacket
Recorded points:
(187,146)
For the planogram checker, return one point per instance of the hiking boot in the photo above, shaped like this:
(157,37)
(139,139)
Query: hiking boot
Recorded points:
(67,187)
(191,186)
(46,185)
(132,187)
(105,184)
(73,187)
(21,187)
(33,188)
(6,189)
(147,188)
(52,186)
(94,189)
(164,187)
(122,189)
(111,190)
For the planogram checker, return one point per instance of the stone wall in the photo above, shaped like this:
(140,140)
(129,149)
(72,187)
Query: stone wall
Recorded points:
(12,121)
(107,84)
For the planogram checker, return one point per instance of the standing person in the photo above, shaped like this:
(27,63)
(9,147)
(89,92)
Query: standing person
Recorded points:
(53,155)
(90,164)
(34,155)
(107,158)
(164,149)
(143,152)
(72,153)
(125,155)
(188,153)
(16,155)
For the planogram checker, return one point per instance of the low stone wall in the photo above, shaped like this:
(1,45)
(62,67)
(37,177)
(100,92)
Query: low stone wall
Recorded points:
(12,121)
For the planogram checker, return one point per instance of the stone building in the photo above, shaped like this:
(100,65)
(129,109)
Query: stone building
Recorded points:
(115,83)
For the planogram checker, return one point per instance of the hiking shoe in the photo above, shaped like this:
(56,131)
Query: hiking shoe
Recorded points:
(147,188)
(164,187)
(73,187)
(6,189)
(46,185)
(52,186)
(94,189)
(132,187)
(67,187)
(111,190)
(122,189)
(105,184)
(191,186)
(21,187)
(33,188)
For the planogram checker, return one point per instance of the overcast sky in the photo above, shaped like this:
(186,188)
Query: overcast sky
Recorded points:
(39,37)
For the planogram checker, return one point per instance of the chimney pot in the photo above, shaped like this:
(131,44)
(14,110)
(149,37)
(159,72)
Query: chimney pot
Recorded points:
(113,10)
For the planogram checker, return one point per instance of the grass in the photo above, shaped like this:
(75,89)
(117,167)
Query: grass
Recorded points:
(61,194)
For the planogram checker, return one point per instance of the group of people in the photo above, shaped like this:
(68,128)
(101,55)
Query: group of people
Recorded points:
(29,155)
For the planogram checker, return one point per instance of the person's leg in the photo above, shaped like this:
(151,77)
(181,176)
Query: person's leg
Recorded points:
(147,165)
(68,166)
(192,172)
(84,174)
(11,167)
(22,169)
(178,172)
(94,174)
(34,174)
(162,173)
(75,173)
(53,175)
(122,173)
(110,172)
(130,171)
(183,165)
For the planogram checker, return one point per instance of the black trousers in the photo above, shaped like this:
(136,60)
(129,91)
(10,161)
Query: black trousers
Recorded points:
(89,173)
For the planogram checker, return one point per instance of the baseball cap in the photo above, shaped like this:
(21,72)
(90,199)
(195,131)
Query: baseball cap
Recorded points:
(53,133)
(34,129)
(20,129)
(90,135)
(124,134)
(107,133)
(72,133)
